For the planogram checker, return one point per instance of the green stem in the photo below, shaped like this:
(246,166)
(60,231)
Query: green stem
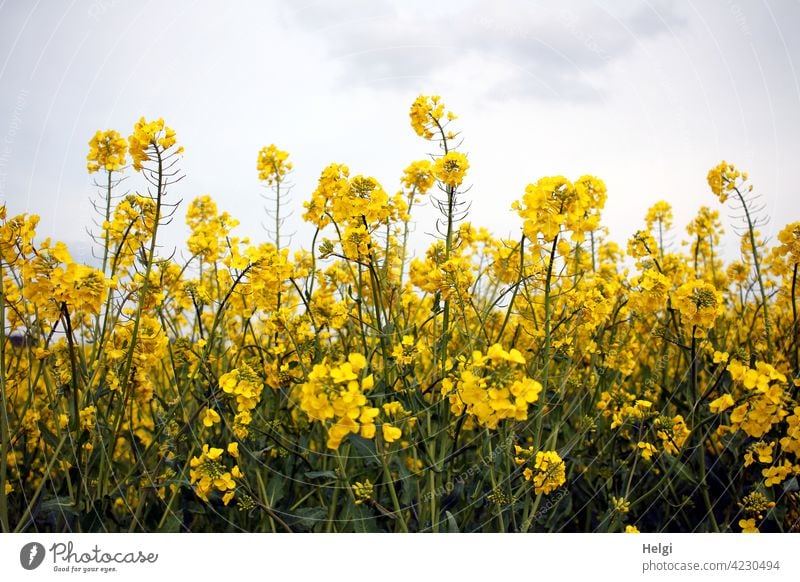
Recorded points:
(404,253)
(278,227)
(447,250)
(516,288)
(107,241)
(398,510)
(432,478)
(547,342)
(757,264)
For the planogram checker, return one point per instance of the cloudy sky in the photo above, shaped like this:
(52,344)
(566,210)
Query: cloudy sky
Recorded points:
(646,95)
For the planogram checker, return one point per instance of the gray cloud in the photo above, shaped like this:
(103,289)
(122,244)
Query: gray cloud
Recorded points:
(547,49)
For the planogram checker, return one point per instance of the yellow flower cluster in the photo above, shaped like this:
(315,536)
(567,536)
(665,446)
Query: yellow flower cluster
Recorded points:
(336,393)
(272,164)
(705,225)
(721,404)
(362,491)
(764,398)
(779,473)
(209,229)
(334,182)
(405,352)
(623,407)
(107,151)
(620,505)
(673,433)
(209,474)
(130,227)
(759,451)
(491,387)
(245,386)
(699,304)
(659,216)
(651,291)
(554,203)
(428,116)
(722,179)
(147,134)
(419,177)
(789,248)
(357,206)
(642,245)
(452,278)
(791,442)
(70,286)
(451,168)
(211,417)
(756,504)
(357,243)
(548,471)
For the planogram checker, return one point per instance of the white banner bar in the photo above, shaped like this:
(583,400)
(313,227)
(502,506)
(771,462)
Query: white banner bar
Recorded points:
(389,557)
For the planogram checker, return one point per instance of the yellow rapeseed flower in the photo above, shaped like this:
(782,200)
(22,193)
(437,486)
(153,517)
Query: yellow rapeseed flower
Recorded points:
(107,151)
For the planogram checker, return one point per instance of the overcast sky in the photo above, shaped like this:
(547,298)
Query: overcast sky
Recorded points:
(645,95)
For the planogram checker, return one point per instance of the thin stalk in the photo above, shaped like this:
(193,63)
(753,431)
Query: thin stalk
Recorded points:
(278,226)
(547,342)
(516,288)
(404,252)
(447,250)
(432,479)
(757,264)
(107,241)
(398,510)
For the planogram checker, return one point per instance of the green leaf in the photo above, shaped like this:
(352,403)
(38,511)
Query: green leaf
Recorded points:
(404,476)
(363,521)
(365,449)
(172,524)
(680,468)
(275,490)
(308,517)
